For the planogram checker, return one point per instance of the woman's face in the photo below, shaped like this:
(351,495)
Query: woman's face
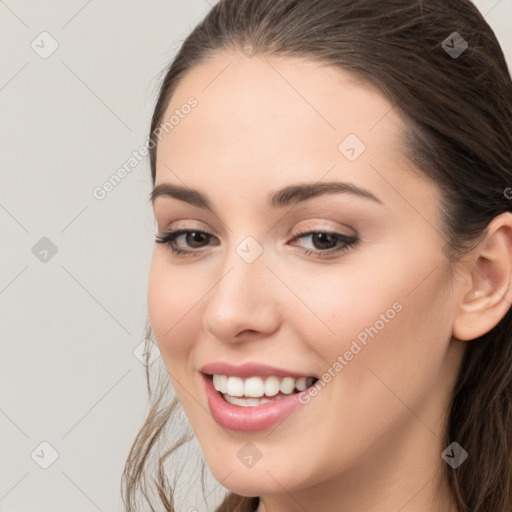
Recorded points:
(372,322)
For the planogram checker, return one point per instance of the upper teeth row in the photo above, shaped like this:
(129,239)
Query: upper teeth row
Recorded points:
(259,386)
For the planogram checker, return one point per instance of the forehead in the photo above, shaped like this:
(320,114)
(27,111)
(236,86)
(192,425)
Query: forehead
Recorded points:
(261,123)
(270,106)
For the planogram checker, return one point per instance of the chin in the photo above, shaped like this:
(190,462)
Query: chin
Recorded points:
(261,479)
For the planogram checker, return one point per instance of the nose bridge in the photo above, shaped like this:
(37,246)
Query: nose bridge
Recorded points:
(240,300)
(244,266)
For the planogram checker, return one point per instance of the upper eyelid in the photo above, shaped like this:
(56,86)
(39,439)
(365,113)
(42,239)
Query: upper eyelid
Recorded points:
(177,232)
(301,231)
(209,229)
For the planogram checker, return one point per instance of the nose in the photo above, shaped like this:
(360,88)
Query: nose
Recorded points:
(244,303)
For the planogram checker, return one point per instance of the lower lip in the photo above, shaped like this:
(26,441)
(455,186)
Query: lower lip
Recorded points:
(249,419)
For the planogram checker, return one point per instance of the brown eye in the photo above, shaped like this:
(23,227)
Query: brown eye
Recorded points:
(196,238)
(326,243)
(323,241)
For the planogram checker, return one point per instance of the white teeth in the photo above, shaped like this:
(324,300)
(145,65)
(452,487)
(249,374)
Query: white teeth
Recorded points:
(220,382)
(301,384)
(246,402)
(271,386)
(254,386)
(257,387)
(287,385)
(223,383)
(216,382)
(250,402)
(235,386)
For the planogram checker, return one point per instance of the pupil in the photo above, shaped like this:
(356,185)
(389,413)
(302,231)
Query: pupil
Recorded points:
(194,235)
(319,236)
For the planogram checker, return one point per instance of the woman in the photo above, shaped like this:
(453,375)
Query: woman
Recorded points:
(331,285)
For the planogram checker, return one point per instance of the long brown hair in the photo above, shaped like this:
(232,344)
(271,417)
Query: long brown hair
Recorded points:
(458,113)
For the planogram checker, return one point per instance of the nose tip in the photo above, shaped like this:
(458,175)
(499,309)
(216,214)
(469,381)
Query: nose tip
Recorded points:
(239,304)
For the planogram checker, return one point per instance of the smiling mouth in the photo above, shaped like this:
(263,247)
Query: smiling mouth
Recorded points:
(254,391)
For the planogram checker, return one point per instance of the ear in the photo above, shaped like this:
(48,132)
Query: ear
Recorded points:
(487,294)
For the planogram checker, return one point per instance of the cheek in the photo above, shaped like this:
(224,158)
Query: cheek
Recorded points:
(173,307)
(388,316)
(343,303)
(400,345)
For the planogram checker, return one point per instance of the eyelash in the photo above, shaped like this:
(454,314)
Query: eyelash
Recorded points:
(348,242)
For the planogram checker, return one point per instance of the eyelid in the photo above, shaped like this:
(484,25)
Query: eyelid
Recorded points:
(318,224)
(345,230)
(348,242)
(183,224)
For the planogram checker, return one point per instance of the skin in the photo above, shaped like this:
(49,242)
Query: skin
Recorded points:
(371,440)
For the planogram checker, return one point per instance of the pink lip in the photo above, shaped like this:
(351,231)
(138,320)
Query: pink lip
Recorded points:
(249,370)
(248,419)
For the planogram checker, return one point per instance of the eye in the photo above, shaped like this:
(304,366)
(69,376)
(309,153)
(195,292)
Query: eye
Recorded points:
(191,236)
(326,243)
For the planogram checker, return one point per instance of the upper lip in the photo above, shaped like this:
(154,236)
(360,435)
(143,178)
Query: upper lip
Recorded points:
(249,370)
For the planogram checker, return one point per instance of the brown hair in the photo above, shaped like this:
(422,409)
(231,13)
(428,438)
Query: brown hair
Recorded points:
(458,111)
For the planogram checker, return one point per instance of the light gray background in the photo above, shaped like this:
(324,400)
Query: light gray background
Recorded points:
(69,325)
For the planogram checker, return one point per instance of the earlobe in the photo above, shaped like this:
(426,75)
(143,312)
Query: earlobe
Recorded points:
(490,281)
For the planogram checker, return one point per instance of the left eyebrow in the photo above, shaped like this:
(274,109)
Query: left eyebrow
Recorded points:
(291,194)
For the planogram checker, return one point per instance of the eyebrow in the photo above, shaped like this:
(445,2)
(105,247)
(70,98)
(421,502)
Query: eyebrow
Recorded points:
(289,195)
